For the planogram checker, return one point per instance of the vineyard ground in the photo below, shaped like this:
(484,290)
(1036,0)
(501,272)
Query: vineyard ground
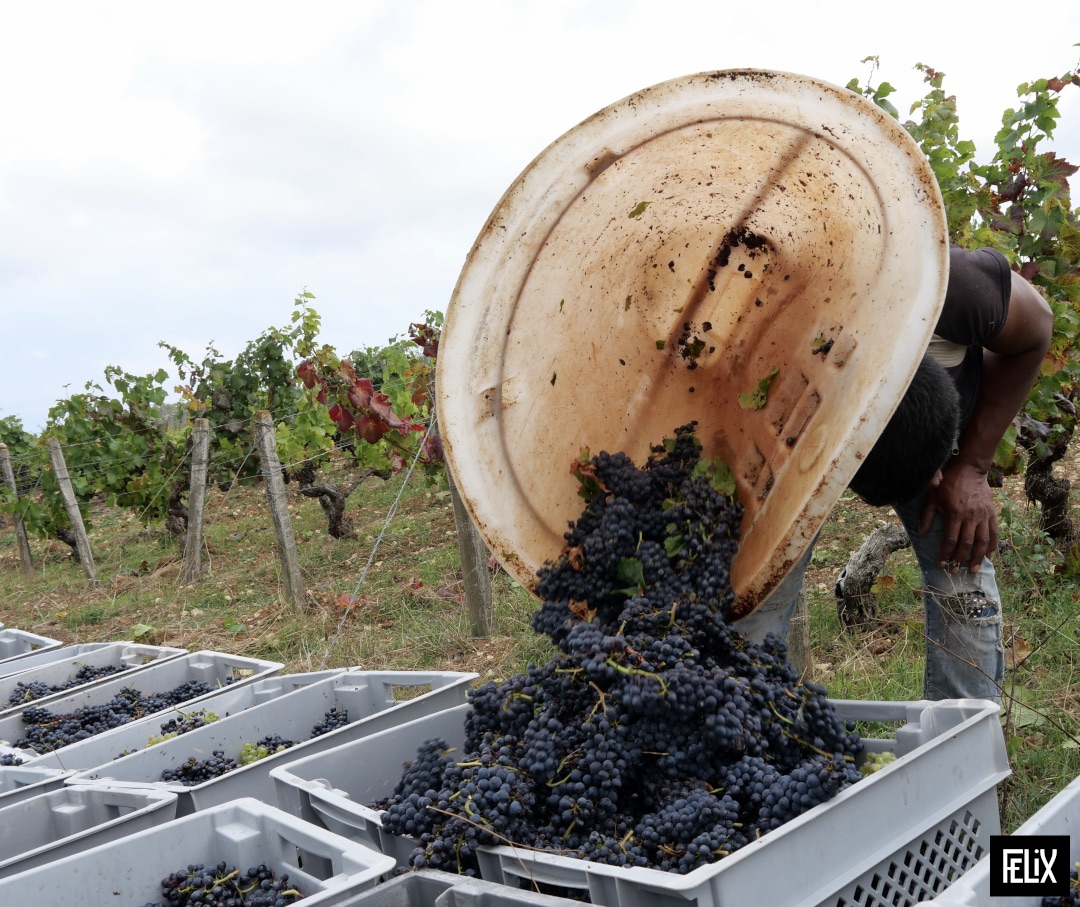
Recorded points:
(390,597)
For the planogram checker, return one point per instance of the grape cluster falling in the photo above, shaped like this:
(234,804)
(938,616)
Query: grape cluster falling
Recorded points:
(658,735)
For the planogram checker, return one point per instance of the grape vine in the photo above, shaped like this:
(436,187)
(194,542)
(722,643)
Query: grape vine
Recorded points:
(1020,204)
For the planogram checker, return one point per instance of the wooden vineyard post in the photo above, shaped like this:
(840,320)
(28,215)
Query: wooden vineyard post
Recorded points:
(474,568)
(200,456)
(78,528)
(8,475)
(279,509)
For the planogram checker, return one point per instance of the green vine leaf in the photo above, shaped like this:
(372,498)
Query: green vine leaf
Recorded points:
(630,571)
(759,396)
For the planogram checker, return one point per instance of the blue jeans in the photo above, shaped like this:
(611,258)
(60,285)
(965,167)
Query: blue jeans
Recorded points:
(964,653)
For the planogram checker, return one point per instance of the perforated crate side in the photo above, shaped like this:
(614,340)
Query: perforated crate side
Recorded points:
(1060,816)
(927,866)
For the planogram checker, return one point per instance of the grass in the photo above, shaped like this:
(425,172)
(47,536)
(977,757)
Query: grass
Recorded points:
(390,597)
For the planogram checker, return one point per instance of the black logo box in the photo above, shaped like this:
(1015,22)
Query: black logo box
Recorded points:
(1032,865)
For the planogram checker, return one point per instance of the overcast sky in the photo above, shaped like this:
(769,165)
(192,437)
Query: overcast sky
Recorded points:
(180,172)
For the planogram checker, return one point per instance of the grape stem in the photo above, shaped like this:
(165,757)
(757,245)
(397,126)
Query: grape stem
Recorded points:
(623,669)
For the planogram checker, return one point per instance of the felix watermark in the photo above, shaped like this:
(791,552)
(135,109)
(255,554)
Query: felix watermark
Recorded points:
(1029,865)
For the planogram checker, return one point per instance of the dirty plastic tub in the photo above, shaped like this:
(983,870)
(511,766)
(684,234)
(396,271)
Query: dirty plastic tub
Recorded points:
(672,252)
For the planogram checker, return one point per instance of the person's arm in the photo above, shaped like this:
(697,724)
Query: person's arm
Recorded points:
(1010,366)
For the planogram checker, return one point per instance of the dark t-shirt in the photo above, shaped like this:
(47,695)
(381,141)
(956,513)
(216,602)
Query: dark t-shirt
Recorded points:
(975,309)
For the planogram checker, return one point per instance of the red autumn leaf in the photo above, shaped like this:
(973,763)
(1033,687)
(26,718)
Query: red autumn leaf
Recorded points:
(347,372)
(307,373)
(384,407)
(426,337)
(419,396)
(1057,169)
(433,448)
(342,417)
(1029,270)
(322,395)
(371,428)
(1055,84)
(360,394)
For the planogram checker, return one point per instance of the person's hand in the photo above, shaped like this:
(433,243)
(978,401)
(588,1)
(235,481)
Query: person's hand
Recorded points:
(970,529)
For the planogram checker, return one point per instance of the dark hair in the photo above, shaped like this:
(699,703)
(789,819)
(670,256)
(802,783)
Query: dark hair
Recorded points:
(920,437)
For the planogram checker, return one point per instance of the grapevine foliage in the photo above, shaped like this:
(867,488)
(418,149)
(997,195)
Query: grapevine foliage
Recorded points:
(381,397)
(657,735)
(120,448)
(229,392)
(1019,203)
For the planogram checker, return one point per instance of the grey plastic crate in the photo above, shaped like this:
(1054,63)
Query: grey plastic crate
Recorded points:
(333,788)
(216,668)
(126,872)
(20,782)
(898,837)
(132,737)
(1060,816)
(367,696)
(17,643)
(130,657)
(72,819)
(36,659)
(428,888)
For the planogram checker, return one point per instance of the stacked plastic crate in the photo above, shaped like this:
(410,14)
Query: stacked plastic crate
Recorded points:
(99,803)
(903,835)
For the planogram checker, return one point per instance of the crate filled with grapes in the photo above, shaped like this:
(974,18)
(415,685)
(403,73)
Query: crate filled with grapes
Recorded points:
(151,730)
(244,850)
(47,681)
(86,711)
(35,658)
(232,756)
